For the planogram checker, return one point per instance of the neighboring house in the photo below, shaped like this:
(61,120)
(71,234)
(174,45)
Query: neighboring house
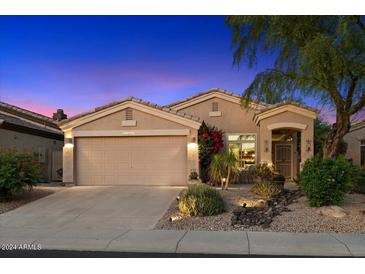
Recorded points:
(33,133)
(355,140)
(136,142)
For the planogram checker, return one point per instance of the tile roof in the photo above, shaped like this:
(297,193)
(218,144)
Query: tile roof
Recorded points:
(136,100)
(357,125)
(219,90)
(270,107)
(23,123)
(26,114)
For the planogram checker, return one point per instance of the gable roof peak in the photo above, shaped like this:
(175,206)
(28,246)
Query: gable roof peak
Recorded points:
(214,90)
(130,99)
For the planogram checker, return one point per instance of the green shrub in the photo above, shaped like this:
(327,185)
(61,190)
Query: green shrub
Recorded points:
(358,179)
(201,200)
(266,188)
(17,171)
(326,181)
(264,171)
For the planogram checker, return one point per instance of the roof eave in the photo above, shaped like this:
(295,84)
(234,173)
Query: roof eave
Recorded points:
(86,117)
(309,112)
(214,90)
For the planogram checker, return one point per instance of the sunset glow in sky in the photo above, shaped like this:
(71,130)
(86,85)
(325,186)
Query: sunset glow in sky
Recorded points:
(81,62)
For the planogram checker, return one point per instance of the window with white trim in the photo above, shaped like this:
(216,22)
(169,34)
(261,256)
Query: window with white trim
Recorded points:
(244,146)
(362,152)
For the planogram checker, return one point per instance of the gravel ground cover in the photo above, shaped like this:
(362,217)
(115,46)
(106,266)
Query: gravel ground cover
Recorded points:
(27,197)
(300,218)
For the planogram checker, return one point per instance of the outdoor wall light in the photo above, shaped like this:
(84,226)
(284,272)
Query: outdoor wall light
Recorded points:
(69,142)
(192,145)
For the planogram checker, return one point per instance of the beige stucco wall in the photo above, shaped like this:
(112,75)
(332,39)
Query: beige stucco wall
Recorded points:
(234,118)
(286,117)
(353,141)
(145,121)
(30,143)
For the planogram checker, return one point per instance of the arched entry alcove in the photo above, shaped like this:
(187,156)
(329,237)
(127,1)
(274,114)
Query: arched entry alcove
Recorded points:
(286,137)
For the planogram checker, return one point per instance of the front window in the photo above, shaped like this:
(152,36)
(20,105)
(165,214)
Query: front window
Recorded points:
(244,146)
(362,152)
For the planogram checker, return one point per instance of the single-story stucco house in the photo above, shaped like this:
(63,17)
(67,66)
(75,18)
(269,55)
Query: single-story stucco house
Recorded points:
(355,140)
(135,142)
(33,133)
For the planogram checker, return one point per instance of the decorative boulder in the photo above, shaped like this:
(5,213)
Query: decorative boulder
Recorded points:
(332,211)
(252,202)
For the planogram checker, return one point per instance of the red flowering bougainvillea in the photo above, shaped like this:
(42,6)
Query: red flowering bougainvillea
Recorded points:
(210,140)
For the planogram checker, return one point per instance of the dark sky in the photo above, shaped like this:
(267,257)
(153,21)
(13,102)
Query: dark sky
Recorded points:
(80,62)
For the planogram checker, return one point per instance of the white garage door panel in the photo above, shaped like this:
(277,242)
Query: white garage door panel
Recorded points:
(131,160)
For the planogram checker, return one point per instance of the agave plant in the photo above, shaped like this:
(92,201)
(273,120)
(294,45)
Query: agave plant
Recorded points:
(224,167)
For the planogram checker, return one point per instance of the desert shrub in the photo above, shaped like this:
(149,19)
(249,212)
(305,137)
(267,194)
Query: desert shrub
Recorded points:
(264,171)
(201,200)
(326,181)
(17,172)
(358,179)
(210,141)
(266,189)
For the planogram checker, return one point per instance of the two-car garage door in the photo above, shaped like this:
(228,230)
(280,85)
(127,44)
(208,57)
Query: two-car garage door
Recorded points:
(147,160)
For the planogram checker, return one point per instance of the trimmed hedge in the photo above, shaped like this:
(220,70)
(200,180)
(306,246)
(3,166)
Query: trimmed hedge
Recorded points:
(326,181)
(201,200)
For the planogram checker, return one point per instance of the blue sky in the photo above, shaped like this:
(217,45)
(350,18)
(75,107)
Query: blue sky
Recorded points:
(80,62)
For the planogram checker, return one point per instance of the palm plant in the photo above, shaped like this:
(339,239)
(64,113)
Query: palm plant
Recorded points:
(216,169)
(224,167)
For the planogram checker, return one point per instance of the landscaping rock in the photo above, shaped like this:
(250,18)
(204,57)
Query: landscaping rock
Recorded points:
(263,213)
(332,211)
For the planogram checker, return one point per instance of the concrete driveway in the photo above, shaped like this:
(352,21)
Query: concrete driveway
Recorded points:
(100,208)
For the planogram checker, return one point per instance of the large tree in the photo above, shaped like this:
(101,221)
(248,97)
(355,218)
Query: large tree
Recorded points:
(318,56)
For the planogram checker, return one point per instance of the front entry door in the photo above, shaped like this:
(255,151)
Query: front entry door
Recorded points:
(283,159)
